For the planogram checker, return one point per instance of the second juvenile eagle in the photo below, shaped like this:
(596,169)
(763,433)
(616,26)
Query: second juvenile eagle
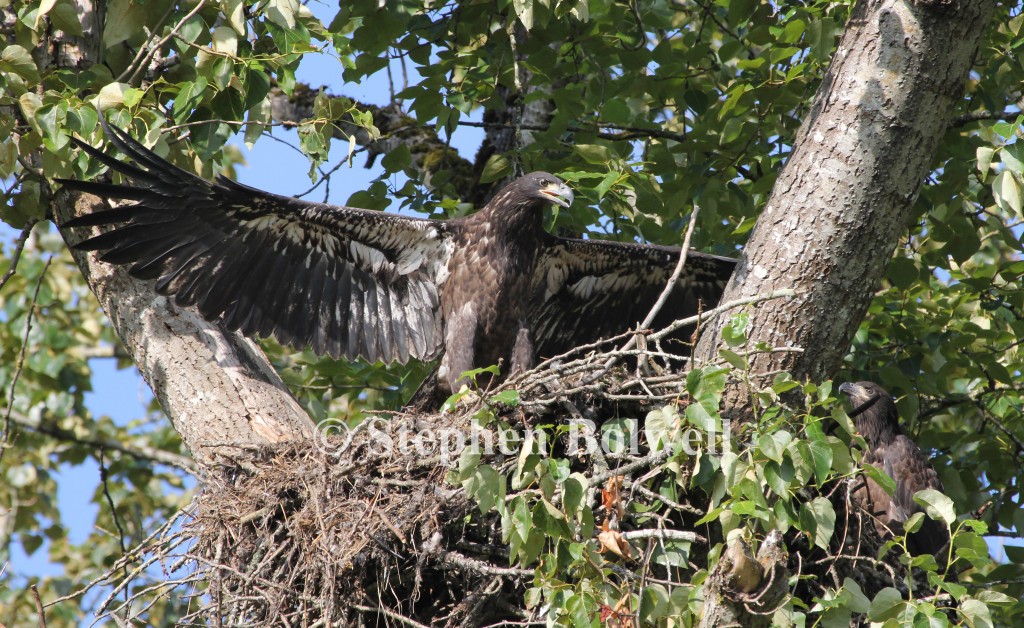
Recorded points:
(488,288)
(890,450)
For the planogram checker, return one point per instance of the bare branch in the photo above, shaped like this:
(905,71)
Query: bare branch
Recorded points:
(139,452)
(19,246)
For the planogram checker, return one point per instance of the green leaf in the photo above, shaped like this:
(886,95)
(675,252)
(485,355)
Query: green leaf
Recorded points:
(793,30)
(902,271)
(257,87)
(881,477)
(995,597)
(976,613)
(525,471)
(937,505)
(258,118)
(1012,157)
(45,6)
(1007,130)
(734,359)
(698,415)
(124,19)
(821,452)
(594,154)
(824,518)
(397,159)
(886,605)
(774,445)
(661,426)
(856,600)
(19,61)
(653,603)
(821,36)
(497,167)
(506,397)
(282,12)
(30,543)
(776,479)
(64,17)
(735,330)
(913,524)
(524,11)
(1007,192)
(484,486)
(984,154)
(574,489)
(235,12)
(190,93)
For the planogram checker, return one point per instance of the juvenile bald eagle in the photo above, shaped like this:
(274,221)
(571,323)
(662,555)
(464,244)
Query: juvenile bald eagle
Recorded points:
(889,449)
(358,283)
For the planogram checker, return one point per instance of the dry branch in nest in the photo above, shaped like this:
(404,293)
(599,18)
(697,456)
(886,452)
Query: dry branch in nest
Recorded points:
(308,535)
(366,526)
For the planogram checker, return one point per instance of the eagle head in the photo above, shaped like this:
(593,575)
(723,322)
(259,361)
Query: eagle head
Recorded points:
(546,187)
(874,411)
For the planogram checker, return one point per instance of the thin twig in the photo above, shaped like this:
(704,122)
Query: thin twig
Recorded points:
(39,606)
(160,44)
(667,291)
(724,307)
(113,512)
(479,566)
(139,452)
(21,359)
(19,246)
(388,613)
(662,298)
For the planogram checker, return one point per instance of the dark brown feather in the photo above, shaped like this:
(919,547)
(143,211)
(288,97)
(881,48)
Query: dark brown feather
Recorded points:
(486,289)
(890,450)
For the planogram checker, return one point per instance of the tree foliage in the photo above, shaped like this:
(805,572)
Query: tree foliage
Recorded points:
(647,108)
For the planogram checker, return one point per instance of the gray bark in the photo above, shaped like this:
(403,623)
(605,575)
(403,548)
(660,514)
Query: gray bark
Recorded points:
(218,389)
(848,190)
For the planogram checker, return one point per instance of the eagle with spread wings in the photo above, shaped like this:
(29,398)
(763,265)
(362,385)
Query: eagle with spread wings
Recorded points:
(489,288)
(890,450)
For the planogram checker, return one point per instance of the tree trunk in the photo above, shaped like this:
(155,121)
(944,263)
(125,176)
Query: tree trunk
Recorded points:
(848,190)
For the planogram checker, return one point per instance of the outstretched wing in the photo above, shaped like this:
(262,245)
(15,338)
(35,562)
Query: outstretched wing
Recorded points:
(585,290)
(343,281)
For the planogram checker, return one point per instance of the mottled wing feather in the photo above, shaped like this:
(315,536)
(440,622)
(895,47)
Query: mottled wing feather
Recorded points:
(585,290)
(342,281)
(911,471)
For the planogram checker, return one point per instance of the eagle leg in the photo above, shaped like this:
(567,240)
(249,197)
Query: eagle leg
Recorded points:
(523,353)
(460,345)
